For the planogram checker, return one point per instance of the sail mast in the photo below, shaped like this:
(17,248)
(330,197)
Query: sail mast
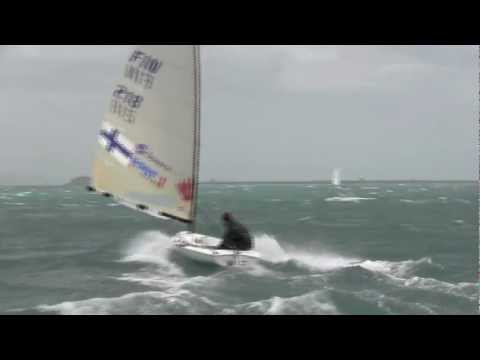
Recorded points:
(197,131)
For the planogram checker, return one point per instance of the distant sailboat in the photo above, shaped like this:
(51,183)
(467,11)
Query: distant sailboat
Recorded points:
(343,194)
(337,178)
(148,151)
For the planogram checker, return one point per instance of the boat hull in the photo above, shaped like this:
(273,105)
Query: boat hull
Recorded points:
(203,249)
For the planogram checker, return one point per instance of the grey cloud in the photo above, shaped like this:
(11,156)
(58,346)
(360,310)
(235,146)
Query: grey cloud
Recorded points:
(269,112)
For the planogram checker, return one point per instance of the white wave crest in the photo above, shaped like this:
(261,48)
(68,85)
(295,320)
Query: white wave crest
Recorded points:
(322,262)
(152,247)
(306,218)
(348,199)
(401,269)
(313,303)
(272,252)
(403,273)
(163,303)
(23,194)
(270,249)
(409,201)
(469,290)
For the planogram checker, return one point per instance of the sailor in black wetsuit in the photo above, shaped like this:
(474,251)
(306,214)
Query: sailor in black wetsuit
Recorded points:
(236,235)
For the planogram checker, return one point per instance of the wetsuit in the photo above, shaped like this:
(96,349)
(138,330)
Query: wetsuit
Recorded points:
(236,237)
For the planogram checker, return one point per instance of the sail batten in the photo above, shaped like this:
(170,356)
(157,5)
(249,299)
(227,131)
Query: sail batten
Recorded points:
(149,142)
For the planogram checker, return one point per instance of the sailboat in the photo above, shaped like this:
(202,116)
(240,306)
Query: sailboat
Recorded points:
(337,178)
(148,152)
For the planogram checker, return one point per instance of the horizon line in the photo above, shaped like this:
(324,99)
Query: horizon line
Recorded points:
(220,182)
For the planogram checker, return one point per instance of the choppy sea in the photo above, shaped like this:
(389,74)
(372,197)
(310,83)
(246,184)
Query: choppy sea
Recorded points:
(366,248)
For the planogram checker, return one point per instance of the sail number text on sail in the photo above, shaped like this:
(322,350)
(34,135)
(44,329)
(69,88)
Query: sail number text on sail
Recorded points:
(141,69)
(125,104)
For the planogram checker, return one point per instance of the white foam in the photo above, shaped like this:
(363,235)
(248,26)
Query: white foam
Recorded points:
(348,199)
(391,305)
(167,283)
(23,194)
(187,302)
(469,290)
(152,302)
(408,201)
(152,247)
(403,273)
(270,249)
(401,269)
(313,303)
(322,262)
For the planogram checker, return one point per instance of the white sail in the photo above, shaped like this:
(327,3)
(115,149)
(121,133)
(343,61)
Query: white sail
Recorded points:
(337,178)
(148,145)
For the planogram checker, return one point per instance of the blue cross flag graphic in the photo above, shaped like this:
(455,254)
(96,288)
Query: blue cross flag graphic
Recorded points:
(124,152)
(111,138)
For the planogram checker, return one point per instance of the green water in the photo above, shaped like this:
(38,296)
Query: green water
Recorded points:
(385,248)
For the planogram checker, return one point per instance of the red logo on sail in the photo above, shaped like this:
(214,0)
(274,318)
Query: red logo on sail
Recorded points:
(185,189)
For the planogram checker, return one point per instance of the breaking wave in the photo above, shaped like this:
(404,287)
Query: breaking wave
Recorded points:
(152,247)
(174,292)
(313,303)
(348,199)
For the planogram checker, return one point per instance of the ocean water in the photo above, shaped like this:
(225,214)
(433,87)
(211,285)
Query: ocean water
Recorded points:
(384,248)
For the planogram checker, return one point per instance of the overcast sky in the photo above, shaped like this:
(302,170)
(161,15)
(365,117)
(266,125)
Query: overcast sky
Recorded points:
(269,112)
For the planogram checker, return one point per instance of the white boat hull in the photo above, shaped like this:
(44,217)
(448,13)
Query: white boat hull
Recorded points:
(202,248)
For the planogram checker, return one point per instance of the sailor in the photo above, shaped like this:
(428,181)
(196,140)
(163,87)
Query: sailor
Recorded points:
(236,235)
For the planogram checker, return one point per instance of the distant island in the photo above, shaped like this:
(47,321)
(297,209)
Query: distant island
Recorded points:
(80,181)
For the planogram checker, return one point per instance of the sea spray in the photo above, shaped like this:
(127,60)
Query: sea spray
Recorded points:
(152,247)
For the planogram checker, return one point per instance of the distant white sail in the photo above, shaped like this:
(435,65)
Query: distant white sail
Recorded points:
(148,145)
(337,177)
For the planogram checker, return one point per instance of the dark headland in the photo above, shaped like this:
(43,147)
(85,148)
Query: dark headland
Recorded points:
(79,181)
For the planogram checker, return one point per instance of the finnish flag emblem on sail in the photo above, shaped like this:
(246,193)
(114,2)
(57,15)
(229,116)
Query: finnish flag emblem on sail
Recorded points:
(116,144)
